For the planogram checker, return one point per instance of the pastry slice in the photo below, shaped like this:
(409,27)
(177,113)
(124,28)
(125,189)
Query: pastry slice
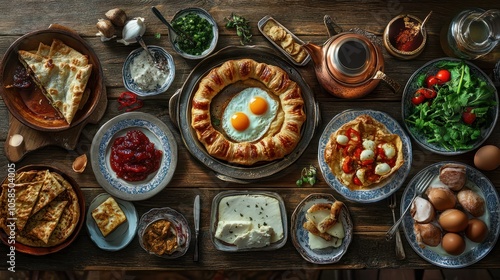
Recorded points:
(62,75)
(108,216)
(50,189)
(26,197)
(42,224)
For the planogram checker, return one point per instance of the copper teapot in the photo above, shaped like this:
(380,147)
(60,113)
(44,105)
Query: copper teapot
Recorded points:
(349,64)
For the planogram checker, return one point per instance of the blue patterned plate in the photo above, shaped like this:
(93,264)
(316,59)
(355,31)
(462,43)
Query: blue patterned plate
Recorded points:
(381,190)
(157,132)
(300,237)
(474,251)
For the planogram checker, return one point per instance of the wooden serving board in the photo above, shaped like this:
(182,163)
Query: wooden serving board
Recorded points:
(35,139)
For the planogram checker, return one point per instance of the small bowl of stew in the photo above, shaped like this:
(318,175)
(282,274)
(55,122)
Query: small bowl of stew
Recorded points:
(404,37)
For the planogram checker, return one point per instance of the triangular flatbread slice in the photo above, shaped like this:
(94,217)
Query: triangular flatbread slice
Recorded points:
(50,189)
(42,224)
(62,75)
(26,197)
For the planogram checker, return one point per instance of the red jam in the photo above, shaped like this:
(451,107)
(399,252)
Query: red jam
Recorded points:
(134,157)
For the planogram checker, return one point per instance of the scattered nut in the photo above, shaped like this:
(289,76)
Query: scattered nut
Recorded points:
(117,16)
(80,163)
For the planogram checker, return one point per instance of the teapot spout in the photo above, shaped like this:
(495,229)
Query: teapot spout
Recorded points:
(315,51)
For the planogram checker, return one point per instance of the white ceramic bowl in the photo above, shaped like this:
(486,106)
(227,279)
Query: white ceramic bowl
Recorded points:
(129,81)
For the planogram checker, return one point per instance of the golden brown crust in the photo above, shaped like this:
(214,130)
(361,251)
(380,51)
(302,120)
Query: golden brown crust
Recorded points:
(369,129)
(61,73)
(311,227)
(270,147)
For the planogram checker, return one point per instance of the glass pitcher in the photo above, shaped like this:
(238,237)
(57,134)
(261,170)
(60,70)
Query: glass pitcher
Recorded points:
(473,33)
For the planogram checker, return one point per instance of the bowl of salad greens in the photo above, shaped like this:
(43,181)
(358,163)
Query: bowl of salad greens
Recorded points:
(195,33)
(449,106)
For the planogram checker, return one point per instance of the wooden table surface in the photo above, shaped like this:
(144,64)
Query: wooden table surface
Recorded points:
(368,249)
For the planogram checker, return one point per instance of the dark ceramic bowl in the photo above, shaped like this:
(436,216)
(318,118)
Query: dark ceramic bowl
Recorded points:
(24,104)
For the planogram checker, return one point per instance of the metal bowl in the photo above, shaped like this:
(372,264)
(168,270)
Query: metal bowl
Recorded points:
(203,14)
(131,84)
(391,32)
(45,118)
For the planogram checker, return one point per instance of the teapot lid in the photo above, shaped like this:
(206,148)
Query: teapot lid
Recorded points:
(351,58)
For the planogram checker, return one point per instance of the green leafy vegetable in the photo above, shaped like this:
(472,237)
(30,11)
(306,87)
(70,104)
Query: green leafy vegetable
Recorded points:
(199,30)
(243,29)
(440,120)
(308,176)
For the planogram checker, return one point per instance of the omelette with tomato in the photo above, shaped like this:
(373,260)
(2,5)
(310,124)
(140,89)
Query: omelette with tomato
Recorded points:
(362,153)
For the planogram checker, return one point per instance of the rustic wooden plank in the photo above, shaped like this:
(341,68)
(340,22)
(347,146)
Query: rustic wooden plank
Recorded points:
(305,18)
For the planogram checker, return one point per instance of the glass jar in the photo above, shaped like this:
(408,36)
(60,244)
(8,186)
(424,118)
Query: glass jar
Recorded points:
(472,33)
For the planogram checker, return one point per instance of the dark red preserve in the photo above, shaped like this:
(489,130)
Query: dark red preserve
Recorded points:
(134,157)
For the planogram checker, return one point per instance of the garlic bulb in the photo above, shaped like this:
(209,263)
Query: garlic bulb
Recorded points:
(132,29)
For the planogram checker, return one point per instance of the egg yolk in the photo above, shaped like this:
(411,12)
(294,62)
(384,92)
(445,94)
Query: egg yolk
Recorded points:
(258,105)
(240,121)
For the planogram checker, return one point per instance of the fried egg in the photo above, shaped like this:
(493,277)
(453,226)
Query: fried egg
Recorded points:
(249,114)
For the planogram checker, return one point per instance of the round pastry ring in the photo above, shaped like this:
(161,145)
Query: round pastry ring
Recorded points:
(278,83)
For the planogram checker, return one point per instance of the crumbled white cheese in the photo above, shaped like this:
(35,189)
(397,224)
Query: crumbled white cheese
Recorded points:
(256,217)
(145,74)
(255,238)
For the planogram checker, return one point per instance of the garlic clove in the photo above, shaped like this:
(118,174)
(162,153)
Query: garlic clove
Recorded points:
(132,29)
(80,163)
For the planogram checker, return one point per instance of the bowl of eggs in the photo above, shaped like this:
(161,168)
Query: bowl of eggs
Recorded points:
(243,111)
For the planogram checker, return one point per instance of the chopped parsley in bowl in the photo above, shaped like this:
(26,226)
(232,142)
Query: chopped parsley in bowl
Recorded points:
(196,33)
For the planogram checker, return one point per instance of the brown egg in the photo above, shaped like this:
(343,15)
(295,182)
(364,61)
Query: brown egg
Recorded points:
(442,198)
(476,230)
(487,158)
(453,220)
(453,243)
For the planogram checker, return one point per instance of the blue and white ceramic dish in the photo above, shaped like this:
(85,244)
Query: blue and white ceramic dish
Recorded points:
(412,86)
(157,132)
(474,252)
(131,85)
(381,190)
(300,237)
(122,235)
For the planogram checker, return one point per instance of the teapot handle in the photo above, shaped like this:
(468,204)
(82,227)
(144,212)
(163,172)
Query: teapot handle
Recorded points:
(395,86)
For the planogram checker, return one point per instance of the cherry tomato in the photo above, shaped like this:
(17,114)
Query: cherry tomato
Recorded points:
(443,76)
(431,81)
(357,152)
(417,98)
(467,116)
(429,93)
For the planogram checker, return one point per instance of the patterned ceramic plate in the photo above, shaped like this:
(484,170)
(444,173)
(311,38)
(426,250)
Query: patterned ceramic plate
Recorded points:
(407,108)
(300,237)
(122,235)
(386,187)
(157,132)
(474,251)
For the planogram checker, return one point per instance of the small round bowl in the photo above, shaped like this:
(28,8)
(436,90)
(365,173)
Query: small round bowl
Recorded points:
(132,84)
(203,14)
(177,220)
(393,29)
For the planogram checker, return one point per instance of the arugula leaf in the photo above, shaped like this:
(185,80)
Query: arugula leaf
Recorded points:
(440,120)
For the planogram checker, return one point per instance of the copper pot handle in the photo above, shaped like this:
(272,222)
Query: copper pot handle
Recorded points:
(395,86)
